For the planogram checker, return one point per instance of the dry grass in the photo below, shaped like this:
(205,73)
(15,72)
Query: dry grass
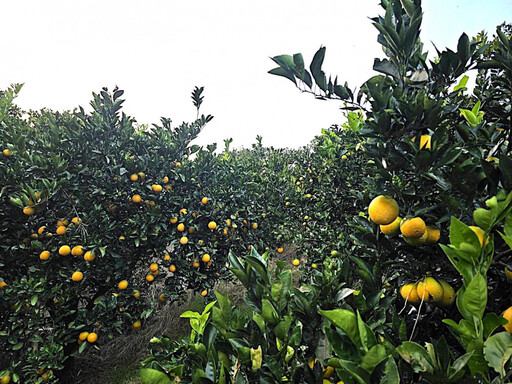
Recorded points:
(122,355)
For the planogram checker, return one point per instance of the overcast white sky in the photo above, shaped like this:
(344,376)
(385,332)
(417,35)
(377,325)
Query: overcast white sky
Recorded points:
(158,50)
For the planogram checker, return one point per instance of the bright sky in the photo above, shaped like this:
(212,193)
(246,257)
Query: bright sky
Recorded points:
(158,50)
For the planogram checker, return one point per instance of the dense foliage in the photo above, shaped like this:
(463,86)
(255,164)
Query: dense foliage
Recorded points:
(103,221)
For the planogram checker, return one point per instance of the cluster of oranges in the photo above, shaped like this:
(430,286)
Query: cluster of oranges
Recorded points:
(86,336)
(428,290)
(383,210)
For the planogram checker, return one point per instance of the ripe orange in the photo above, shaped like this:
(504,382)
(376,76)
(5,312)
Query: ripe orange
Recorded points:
(204,293)
(156,188)
(183,211)
(83,336)
(134,177)
(254,225)
(3,284)
(77,276)
(165,180)
(196,264)
(92,337)
(161,297)
(136,293)
(123,284)
(391,229)
(408,292)
(153,267)
(183,240)
(383,210)
(89,256)
(212,225)
(150,278)
(433,234)
(29,211)
(136,326)
(181,227)
(6,152)
(206,258)
(280,250)
(430,290)
(414,227)
(76,220)
(61,230)
(77,251)
(64,250)
(5,379)
(142,175)
(508,315)
(41,230)
(296,262)
(136,199)
(173,220)
(204,200)
(45,255)
(172,268)
(167,257)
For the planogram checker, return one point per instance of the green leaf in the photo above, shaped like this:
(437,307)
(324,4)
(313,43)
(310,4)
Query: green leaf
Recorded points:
(498,350)
(33,300)
(268,312)
(284,73)
(505,166)
(376,355)
(409,7)
(475,296)
(345,320)
(462,83)
(391,375)
(483,218)
(316,69)
(491,322)
(417,356)
(358,373)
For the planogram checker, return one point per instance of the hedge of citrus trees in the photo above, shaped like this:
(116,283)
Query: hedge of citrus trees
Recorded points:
(103,221)
(416,288)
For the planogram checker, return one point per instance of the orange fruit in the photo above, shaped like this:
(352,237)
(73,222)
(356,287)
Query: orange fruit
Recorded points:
(161,297)
(172,268)
(206,258)
(142,175)
(295,262)
(89,256)
(29,211)
(134,177)
(448,293)
(76,220)
(41,230)
(61,230)
(280,250)
(212,225)
(156,188)
(153,267)
(196,264)
(45,255)
(6,152)
(254,225)
(430,290)
(92,337)
(173,220)
(167,257)
(383,210)
(413,228)
(83,336)
(77,276)
(183,211)
(123,284)
(204,293)
(3,284)
(64,250)
(391,229)
(508,315)
(181,227)
(136,199)
(433,234)
(183,240)
(77,251)
(165,180)
(136,326)
(409,293)
(136,293)
(150,278)
(5,379)
(204,200)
